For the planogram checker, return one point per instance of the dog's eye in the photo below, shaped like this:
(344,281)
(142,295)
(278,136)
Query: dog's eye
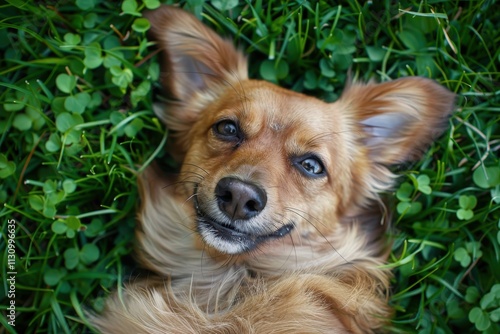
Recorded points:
(311,166)
(227,130)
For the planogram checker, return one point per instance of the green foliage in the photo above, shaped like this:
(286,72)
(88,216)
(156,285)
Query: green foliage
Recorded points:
(7,168)
(73,132)
(76,86)
(467,204)
(487,314)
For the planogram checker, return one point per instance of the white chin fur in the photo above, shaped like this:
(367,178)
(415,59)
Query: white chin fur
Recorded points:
(224,246)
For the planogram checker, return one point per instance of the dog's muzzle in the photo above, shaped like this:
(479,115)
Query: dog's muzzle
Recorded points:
(238,202)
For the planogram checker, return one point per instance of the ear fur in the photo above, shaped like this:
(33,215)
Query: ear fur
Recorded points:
(197,65)
(399,119)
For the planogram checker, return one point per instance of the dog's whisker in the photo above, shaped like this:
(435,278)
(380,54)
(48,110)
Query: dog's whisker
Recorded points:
(196,166)
(303,213)
(294,248)
(189,198)
(322,235)
(177,183)
(188,178)
(192,174)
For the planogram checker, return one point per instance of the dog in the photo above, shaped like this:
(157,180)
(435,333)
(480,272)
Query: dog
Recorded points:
(274,223)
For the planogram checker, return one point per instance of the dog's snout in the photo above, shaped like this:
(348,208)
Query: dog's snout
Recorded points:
(239,200)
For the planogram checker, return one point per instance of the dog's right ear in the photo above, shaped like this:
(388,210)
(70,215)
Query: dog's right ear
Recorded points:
(197,64)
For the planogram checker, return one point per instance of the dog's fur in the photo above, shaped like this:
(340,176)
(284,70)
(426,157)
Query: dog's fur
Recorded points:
(310,260)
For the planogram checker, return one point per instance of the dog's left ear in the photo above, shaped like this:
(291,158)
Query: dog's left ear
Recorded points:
(196,61)
(197,65)
(398,120)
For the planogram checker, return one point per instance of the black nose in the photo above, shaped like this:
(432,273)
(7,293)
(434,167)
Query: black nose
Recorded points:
(238,199)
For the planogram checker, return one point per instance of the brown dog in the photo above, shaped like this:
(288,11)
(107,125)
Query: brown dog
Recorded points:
(273,225)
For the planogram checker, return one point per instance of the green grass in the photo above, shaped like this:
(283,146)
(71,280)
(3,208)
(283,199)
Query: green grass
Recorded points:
(77,81)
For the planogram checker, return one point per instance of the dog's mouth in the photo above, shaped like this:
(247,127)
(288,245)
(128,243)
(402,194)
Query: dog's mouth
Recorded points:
(228,239)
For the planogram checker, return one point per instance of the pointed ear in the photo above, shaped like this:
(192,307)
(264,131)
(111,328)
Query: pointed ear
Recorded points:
(194,57)
(398,120)
(196,65)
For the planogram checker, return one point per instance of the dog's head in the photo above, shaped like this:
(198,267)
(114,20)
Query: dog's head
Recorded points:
(261,162)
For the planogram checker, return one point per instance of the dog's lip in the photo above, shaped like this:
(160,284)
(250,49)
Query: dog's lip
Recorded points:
(230,234)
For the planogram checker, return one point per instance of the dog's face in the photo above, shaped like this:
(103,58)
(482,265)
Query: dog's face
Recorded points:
(263,162)
(267,166)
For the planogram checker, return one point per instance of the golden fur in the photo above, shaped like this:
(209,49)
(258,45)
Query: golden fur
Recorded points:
(310,260)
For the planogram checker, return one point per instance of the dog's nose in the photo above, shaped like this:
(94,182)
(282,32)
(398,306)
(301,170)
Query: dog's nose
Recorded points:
(238,199)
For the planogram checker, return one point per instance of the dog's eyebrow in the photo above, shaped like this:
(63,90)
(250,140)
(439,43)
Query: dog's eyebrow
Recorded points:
(320,138)
(316,143)
(299,148)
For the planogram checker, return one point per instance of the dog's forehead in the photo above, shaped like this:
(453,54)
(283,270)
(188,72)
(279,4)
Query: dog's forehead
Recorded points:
(280,109)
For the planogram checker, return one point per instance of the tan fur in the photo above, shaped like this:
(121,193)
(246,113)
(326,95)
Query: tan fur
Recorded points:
(324,276)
